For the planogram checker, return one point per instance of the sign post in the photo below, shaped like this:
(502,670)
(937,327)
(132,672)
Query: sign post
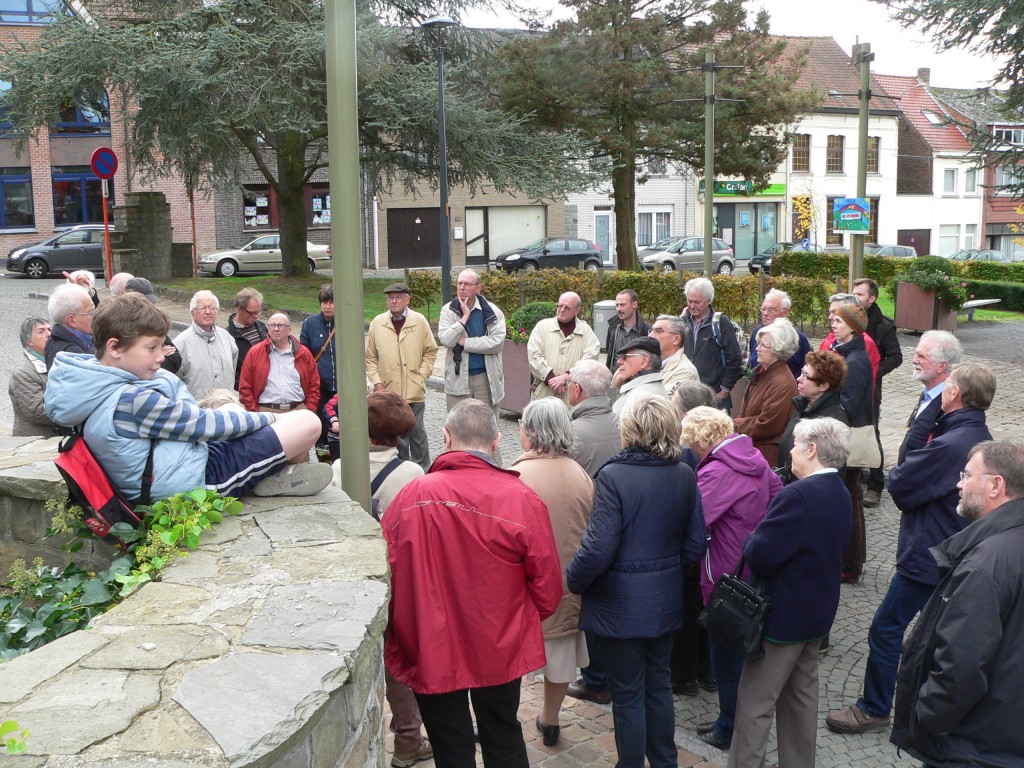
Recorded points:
(104,165)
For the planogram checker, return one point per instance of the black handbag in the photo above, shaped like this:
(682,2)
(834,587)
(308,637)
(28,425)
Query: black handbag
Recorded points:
(736,613)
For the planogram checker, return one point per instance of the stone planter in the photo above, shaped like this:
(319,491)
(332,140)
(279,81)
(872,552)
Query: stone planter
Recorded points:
(516,365)
(920,310)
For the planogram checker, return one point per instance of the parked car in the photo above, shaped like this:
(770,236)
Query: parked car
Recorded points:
(80,247)
(261,255)
(557,252)
(763,260)
(986,254)
(899,251)
(687,255)
(659,245)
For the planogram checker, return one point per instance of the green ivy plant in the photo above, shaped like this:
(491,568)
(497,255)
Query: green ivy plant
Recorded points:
(13,737)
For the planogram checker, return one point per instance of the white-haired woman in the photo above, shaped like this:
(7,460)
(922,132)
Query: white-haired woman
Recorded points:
(646,527)
(545,432)
(768,404)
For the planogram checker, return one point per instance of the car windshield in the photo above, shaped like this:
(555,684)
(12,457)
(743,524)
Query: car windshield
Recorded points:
(536,244)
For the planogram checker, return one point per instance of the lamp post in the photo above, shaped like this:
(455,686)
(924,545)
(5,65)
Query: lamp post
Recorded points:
(437,27)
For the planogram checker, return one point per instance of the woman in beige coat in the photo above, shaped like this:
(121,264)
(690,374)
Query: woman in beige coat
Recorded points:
(545,433)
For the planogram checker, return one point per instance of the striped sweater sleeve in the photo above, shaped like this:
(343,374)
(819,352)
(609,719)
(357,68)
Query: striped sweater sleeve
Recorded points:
(148,414)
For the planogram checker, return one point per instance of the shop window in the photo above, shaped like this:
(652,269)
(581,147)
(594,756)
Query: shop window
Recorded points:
(88,115)
(16,206)
(78,196)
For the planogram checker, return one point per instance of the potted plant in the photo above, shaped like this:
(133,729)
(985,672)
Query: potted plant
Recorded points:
(514,357)
(928,295)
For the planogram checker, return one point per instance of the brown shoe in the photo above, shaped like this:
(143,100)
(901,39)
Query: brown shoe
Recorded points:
(580,691)
(406,759)
(872,498)
(855,720)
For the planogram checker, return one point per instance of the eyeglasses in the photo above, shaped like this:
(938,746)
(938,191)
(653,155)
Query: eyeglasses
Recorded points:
(278,325)
(207,309)
(762,345)
(249,312)
(90,312)
(631,354)
(463,283)
(770,311)
(965,475)
(808,377)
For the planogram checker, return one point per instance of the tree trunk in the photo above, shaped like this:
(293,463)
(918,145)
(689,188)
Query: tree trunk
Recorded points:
(623,192)
(291,206)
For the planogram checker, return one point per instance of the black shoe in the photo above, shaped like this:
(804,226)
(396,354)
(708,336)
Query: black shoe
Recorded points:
(707,727)
(579,690)
(549,732)
(689,689)
(707,682)
(714,740)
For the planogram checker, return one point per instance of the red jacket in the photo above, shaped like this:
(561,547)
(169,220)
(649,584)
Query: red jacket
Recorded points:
(474,571)
(256,368)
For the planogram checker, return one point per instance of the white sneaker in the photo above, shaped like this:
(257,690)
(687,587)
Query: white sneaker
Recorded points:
(296,480)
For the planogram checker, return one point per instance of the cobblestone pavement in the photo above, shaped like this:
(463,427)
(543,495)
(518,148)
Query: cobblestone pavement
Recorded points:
(587,736)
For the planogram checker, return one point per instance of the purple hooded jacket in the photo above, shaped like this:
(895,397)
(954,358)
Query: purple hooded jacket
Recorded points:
(736,485)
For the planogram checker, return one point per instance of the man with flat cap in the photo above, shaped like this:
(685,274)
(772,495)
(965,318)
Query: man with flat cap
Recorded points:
(638,375)
(400,355)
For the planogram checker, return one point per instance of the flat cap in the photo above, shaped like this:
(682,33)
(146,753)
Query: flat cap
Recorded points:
(143,286)
(641,344)
(397,288)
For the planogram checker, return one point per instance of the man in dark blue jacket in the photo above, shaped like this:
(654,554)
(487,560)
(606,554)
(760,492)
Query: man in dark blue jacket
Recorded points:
(317,336)
(936,354)
(924,488)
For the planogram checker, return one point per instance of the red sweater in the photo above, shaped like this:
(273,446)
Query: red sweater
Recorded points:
(256,369)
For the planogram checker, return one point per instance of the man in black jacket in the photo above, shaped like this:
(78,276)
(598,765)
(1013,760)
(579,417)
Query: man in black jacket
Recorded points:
(625,327)
(961,669)
(936,354)
(711,346)
(245,326)
(882,331)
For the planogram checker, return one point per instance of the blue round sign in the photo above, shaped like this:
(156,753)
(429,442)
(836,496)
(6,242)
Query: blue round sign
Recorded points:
(104,162)
(806,243)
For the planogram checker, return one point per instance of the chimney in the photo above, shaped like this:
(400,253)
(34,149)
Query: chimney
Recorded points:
(924,74)
(854,52)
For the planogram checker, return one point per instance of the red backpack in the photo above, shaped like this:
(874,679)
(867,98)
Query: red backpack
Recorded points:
(91,489)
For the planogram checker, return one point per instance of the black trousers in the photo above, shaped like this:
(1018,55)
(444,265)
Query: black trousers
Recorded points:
(450,726)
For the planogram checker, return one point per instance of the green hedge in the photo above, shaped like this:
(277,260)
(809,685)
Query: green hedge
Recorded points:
(991,271)
(1012,294)
(835,265)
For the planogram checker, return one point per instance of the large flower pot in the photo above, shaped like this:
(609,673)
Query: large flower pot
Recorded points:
(919,310)
(516,364)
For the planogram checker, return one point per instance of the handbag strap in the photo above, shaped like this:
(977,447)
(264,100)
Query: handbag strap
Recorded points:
(757,583)
(324,347)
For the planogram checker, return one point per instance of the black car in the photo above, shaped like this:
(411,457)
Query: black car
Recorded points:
(80,247)
(557,252)
(763,260)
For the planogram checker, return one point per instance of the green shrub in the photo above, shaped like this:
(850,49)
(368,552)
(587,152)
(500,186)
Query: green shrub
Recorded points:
(991,271)
(1011,294)
(835,265)
(520,323)
(933,273)
(509,291)
(425,287)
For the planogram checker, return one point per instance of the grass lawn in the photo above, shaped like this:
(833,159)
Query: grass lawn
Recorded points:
(289,293)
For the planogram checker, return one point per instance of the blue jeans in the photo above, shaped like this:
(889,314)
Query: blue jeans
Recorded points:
(642,709)
(593,674)
(901,603)
(726,667)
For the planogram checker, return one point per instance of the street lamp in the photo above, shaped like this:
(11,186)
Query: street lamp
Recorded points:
(437,28)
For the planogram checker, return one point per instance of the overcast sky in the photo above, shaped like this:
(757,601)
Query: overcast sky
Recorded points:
(897,52)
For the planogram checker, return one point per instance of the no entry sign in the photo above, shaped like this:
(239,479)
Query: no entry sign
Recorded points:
(104,163)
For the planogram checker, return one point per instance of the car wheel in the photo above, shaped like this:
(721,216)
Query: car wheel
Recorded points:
(312,266)
(668,266)
(725,268)
(593,266)
(36,268)
(529,266)
(227,268)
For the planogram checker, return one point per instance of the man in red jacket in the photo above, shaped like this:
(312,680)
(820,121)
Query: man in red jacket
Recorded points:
(474,571)
(279,374)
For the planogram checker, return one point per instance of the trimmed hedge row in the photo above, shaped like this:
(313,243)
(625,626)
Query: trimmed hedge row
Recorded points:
(1012,294)
(835,265)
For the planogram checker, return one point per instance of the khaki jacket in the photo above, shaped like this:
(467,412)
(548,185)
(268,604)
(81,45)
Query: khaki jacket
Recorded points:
(675,369)
(549,350)
(403,362)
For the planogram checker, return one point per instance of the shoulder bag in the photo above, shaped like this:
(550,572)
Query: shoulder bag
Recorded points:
(736,613)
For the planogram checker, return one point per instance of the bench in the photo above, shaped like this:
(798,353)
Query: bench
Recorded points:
(970,307)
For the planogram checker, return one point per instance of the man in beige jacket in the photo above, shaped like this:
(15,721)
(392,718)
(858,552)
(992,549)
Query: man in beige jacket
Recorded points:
(556,344)
(400,354)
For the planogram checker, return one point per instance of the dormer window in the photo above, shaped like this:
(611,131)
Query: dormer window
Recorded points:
(934,117)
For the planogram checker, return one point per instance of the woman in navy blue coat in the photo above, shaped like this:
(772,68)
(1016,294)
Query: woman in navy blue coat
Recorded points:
(646,527)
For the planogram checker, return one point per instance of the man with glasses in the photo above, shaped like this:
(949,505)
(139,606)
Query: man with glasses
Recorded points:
(639,373)
(925,489)
(245,326)
(711,342)
(669,331)
(556,344)
(775,304)
(71,309)
(279,374)
(208,353)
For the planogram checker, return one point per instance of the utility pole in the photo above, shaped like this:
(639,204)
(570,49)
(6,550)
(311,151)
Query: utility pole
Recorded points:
(709,158)
(864,59)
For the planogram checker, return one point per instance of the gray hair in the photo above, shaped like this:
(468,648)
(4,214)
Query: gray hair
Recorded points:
(593,377)
(946,347)
(676,324)
(782,296)
(831,437)
(845,298)
(700,285)
(471,426)
(692,394)
(66,299)
(244,296)
(785,341)
(118,283)
(28,327)
(1006,459)
(199,296)
(547,426)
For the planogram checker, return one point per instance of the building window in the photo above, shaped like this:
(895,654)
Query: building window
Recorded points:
(833,236)
(802,153)
(834,154)
(971,181)
(652,226)
(77,196)
(970,235)
(87,115)
(873,144)
(872,235)
(318,207)
(657,166)
(949,239)
(257,211)
(949,181)
(1010,135)
(933,117)
(16,208)
(28,11)
(1007,177)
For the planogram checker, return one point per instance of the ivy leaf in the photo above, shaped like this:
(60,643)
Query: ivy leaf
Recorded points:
(34,629)
(94,592)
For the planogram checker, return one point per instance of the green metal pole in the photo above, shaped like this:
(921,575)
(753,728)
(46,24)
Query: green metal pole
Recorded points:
(857,239)
(709,157)
(343,132)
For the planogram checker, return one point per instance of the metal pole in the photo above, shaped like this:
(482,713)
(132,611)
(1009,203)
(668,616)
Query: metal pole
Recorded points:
(709,157)
(446,246)
(343,138)
(857,239)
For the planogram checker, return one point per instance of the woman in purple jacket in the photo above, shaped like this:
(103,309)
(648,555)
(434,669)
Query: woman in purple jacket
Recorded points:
(736,485)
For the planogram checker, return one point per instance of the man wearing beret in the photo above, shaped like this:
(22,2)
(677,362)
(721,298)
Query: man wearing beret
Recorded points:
(638,375)
(400,355)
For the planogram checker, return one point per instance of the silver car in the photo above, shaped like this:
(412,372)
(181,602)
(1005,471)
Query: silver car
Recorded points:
(261,255)
(687,255)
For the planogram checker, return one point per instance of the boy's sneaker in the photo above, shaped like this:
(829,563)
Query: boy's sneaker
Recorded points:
(405,759)
(296,480)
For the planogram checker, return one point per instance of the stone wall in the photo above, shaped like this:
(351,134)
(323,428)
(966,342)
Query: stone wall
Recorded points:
(261,649)
(142,242)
